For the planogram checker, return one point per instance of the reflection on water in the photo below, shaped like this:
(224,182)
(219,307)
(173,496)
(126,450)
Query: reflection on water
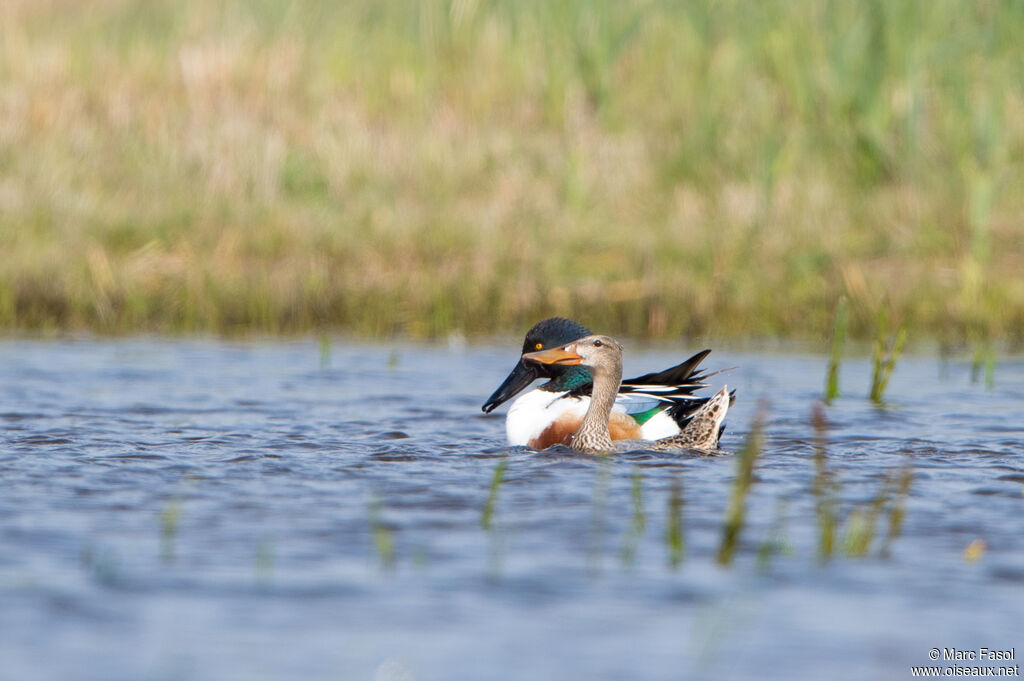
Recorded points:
(321,510)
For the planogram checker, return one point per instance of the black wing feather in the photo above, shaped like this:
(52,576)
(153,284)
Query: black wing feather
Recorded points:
(684,377)
(676,385)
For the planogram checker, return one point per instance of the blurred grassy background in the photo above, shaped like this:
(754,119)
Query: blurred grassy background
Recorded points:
(707,167)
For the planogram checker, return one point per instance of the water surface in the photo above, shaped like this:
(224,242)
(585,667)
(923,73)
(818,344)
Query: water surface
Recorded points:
(218,510)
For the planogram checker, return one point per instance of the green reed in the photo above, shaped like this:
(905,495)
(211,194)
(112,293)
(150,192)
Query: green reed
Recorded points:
(638,519)
(887,349)
(824,488)
(775,543)
(840,325)
(734,516)
(170,518)
(897,507)
(325,351)
(264,560)
(863,521)
(487,515)
(496,551)
(675,539)
(984,362)
(382,536)
(860,529)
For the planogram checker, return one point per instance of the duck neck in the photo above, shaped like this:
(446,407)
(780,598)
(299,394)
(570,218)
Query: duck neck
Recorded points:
(593,433)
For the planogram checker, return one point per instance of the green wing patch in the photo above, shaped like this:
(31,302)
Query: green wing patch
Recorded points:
(642,417)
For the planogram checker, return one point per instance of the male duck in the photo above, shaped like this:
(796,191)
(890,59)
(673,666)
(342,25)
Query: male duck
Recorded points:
(649,407)
(602,355)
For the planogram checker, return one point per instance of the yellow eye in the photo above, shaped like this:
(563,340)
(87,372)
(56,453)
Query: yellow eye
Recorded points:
(539,346)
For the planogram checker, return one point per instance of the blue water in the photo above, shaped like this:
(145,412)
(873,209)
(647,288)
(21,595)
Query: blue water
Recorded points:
(257,510)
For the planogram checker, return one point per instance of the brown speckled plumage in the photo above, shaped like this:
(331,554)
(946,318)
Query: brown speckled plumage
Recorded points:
(703,429)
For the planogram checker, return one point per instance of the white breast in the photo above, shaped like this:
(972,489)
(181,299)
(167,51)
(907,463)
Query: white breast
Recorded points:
(530,414)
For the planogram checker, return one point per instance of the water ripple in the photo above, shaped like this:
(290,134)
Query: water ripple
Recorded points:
(170,506)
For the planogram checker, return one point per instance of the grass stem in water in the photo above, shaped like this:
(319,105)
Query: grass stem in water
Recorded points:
(674,526)
(492,497)
(839,327)
(741,487)
(887,350)
(638,523)
(824,488)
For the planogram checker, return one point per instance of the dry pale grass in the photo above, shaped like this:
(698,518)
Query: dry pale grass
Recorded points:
(416,168)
